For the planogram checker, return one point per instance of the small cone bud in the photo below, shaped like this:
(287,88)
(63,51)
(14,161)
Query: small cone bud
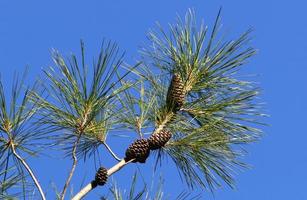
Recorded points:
(138,150)
(101,176)
(158,140)
(176,94)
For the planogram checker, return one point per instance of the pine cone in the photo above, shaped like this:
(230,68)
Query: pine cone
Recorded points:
(176,94)
(101,176)
(158,140)
(138,150)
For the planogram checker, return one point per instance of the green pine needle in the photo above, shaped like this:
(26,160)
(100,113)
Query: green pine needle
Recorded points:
(81,99)
(221,112)
(146,192)
(19,130)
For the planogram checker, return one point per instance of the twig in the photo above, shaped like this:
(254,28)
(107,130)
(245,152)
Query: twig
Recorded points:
(75,160)
(121,163)
(111,152)
(91,186)
(28,168)
(167,119)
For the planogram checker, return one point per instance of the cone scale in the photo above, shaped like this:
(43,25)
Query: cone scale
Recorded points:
(101,176)
(138,150)
(158,140)
(175,94)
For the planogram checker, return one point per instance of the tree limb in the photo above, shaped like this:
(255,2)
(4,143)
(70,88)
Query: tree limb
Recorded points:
(28,168)
(74,164)
(91,186)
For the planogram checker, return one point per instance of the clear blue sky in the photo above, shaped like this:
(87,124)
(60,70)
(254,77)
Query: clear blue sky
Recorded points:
(29,29)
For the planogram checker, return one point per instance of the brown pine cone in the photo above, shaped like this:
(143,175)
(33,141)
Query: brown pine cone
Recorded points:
(158,140)
(175,94)
(138,150)
(101,176)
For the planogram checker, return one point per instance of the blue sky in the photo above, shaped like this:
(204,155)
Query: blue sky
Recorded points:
(30,29)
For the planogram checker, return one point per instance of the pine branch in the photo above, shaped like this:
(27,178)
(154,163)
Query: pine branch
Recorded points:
(111,152)
(28,168)
(71,99)
(219,111)
(213,110)
(74,164)
(168,117)
(85,190)
(20,133)
(123,162)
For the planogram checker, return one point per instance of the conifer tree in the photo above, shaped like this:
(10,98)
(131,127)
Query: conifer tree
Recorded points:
(186,90)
